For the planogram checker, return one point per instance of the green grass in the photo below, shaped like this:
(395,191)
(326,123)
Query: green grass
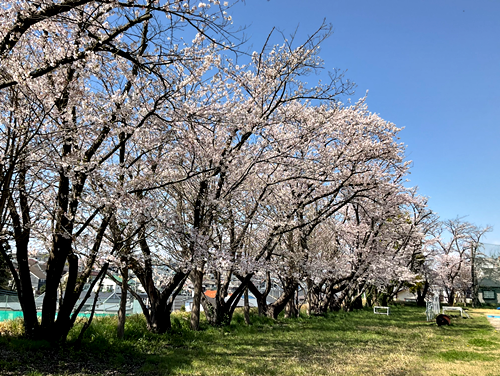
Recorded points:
(355,343)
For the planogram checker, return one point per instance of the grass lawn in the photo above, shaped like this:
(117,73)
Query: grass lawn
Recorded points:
(355,343)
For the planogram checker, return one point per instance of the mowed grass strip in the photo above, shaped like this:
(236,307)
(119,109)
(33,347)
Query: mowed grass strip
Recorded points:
(354,343)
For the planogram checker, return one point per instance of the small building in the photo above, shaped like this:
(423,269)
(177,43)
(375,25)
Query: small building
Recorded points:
(38,275)
(489,291)
(405,295)
(488,271)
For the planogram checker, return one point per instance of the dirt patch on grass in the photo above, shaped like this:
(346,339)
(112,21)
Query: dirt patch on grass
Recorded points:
(494,321)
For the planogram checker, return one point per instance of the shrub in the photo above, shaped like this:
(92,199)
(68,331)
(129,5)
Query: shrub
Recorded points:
(12,328)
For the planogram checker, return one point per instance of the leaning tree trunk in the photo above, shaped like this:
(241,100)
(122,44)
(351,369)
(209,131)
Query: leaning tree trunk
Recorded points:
(289,288)
(158,313)
(370,297)
(220,312)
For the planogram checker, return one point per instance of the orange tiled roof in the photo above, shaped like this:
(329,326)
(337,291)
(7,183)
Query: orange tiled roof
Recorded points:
(211,293)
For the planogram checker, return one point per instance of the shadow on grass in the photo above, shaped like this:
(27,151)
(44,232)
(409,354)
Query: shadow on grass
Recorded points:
(267,347)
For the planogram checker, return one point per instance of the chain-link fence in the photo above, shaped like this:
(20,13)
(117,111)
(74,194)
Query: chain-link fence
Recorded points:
(488,250)
(10,302)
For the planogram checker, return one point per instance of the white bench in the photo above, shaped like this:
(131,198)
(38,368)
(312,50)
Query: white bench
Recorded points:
(456,309)
(376,310)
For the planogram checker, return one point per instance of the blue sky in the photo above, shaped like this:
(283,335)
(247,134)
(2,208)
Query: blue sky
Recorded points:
(432,67)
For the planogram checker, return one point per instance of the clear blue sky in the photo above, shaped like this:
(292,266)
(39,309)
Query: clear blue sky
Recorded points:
(432,67)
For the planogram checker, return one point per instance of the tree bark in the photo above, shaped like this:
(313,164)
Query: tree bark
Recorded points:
(421,294)
(122,312)
(22,225)
(289,288)
(246,309)
(451,297)
(198,290)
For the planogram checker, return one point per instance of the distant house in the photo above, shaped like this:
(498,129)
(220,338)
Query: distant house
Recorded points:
(489,291)
(405,295)
(38,275)
(210,296)
(109,285)
(488,271)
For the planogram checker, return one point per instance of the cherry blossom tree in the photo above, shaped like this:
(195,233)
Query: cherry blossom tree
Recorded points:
(100,71)
(456,243)
(127,145)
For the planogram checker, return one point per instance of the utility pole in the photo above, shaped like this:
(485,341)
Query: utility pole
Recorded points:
(473,252)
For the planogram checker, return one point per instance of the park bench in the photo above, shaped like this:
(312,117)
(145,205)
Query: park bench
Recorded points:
(456,309)
(378,310)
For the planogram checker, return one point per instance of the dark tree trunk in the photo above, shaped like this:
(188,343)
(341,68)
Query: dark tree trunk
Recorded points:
(289,288)
(75,283)
(160,303)
(246,308)
(220,311)
(291,309)
(451,297)
(331,301)
(122,312)
(261,298)
(25,292)
(357,303)
(335,304)
(312,298)
(22,225)
(198,291)
(422,294)
(383,299)
(370,296)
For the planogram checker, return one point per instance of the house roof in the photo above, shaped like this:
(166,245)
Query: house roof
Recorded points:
(486,282)
(211,293)
(37,271)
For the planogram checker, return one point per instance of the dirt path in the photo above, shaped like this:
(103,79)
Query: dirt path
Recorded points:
(494,321)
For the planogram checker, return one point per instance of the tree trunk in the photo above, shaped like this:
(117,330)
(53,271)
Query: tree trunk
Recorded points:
(451,297)
(122,312)
(421,294)
(312,298)
(261,298)
(291,309)
(198,290)
(22,230)
(160,303)
(289,288)
(246,309)
(25,292)
(220,312)
(357,303)
(369,297)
